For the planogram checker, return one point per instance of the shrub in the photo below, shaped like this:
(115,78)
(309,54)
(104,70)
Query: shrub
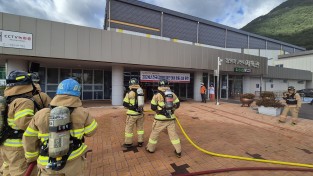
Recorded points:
(269,103)
(248,96)
(268,95)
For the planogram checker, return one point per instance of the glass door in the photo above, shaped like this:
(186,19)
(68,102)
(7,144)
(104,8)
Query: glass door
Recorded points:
(235,86)
(224,87)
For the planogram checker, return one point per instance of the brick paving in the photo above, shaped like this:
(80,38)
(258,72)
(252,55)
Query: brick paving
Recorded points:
(227,129)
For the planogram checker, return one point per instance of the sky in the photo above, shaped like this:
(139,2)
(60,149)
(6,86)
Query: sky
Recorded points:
(233,13)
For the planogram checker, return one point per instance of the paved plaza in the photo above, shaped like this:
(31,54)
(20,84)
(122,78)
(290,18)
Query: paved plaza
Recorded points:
(227,129)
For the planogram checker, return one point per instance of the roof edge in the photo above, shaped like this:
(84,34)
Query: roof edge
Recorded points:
(204,21)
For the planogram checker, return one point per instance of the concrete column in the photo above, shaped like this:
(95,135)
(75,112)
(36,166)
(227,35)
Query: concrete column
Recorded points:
(207,89)
(198,78)
(16,64)
(117,85)
(246,85)
(309,84)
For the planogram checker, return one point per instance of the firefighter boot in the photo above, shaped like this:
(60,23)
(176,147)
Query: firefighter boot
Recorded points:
(140,144)
(178,155)
(127,145)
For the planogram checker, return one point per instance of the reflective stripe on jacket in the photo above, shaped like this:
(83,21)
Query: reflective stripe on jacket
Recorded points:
(20,113)
(130,98)
(38,130)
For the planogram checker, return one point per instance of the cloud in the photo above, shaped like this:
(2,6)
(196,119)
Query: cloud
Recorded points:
(240,11)
(82,12)
(234,13)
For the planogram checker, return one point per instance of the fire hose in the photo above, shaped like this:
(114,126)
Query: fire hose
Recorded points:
(247,169)
(30,168)
(243,158)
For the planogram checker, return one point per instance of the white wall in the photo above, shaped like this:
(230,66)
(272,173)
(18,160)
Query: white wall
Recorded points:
(299,62)
(255,52)
(249,84)
(272,55)
(275,85)
(279,85)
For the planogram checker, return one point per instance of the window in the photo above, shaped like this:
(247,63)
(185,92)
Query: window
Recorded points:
(285,81)
(300,82)
(257,86)
(77,74)
(279,65)
(64,74)
(42,76)
(272,85)
(98,84)
(98,77)
(2,72)
(107,85)
(88,76)
(53,76)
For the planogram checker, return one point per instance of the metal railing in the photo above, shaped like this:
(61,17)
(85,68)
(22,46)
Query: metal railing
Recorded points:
(278,94)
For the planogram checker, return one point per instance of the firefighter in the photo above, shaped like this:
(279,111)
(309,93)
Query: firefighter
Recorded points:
(134,102)
(42,99)
(164,103)
(21,109)
(47,136)
(293,104)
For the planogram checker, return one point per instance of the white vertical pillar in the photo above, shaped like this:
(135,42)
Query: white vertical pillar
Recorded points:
(16,64)
(246,87)
(198,78)
(207,89)
(117,85)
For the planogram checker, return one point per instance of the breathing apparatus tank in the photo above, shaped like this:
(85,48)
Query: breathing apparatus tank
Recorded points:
(59,137)
(169,101)
(3,105)
(140,98)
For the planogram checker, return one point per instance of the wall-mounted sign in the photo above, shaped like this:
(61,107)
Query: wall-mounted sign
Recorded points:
(248,63)
(242,70)
(148,76)
(10,39)
(216,73)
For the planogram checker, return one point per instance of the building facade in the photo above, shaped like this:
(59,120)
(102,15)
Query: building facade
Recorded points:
(104,60)
(137,16)
(301,60)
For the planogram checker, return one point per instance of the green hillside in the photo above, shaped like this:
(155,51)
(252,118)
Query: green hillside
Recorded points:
(291,22)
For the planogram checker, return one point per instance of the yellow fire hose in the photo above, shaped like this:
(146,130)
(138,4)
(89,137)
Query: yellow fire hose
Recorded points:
(239,157)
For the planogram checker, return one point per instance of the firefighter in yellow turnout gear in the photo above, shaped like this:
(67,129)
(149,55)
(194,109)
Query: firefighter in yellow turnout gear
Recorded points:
(164,104)
(293,104)
(134,102)
(21,109)
(41,131)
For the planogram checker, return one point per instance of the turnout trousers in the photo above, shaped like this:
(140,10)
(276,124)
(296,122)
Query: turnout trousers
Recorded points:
(131,121)
(159,126)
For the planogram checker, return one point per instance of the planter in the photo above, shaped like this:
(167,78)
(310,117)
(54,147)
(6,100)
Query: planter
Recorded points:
(269,111)
(246,101)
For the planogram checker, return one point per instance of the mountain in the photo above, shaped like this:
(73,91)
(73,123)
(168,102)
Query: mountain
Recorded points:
(291,22)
